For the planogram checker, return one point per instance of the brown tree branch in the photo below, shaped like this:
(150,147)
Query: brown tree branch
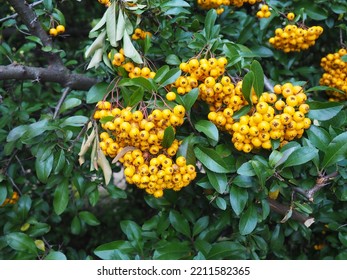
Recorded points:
(29,18)
(40,74)
(16,14)
(283,210)
(320,183)
(60,103)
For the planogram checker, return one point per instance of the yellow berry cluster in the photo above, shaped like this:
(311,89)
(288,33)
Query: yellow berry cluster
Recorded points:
(118,59)
(263,12)
(217,4)
(57,30)
(147,163)
(276,116)
(293,38)
(198,71)
(12,200)
(335,74)
(107,3)
(140,34)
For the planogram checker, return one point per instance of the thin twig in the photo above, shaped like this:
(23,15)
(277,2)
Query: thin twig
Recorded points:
(320,183)
(16,14)
(60,103)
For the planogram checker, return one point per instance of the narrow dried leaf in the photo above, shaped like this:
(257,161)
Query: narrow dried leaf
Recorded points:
(97,44)
(85,146)
(97,57)
(104,165)
(100,24)
(111,24)
(129,49)
(123,152)
(120,26)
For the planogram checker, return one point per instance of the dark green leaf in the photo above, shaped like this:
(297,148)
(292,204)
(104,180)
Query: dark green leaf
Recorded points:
(336,150)
(179,223)
(200,225)
(170,77)
(238,199)
(186,149)
(131,229)
(208,128)
(188,99)
(248,220)
(48,5)
(44,168)
(89,218)
(246,169)
(61,197)
(55,255)
(16,133)
(35,39)
(35,129)
(343,238)
(139,82)
(219,181)
(161,72)
(323,111)
(258,77)
(242,112)
(247,85)
(301,156)
(210,23)
(221,203)
(169,137)
(76,225)
(107,251)
(211,159)
(227,250)
(173,250)
(3,194)
(316,13)
(70,103)
(319,137)
(21,242)
(97,92)
(60,162)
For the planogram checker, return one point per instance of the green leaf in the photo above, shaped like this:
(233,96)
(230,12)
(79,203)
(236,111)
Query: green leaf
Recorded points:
(246,169)
(100,23)
(109,251)
(169,137)
(3,194)
(48,5)
(323,111)
(97,92)
(210,159)
(227,250)
(242,112)
(88,218)
(248,220)
(120,26)
(301,156)
(179,223)
(316,13)
(258,78)
(247,85)
(44,168)
(304,207)
(139,82)
(170,77)
(343,238)
(219,181)
(262,171)
(161,72)
(186,149)
(173,250)
(319,137)
(344,58)
(238,199)
(75,121)
(61,197)
(21,242)
(221,203)
(172,59)
(274,158)
(35,129)
(17,133)
(60,161)
(55,255)
(210,21)
(208,128)
(323,88)
(200,225)
(35,39)
(131,229)
(336,150)
(76,225)
(134,98)
(188,99)
(70,103)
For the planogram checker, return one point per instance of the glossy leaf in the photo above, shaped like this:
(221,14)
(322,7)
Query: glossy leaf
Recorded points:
(169,137)
(188,100)
(323,111)
(55,255)
(131,230)
(211,160)
(227,250)
(336,150)
(179,223)
(61,197)
(248,220)
(97,92)
(208,128)
(301,156)
(258,78)
(108,251)
(173,250)
(89,218)
(21,242)
(238,199)
(247,85)
(200,225)
(44,168)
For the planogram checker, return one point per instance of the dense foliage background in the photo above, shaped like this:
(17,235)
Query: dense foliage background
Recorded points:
(287,202)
